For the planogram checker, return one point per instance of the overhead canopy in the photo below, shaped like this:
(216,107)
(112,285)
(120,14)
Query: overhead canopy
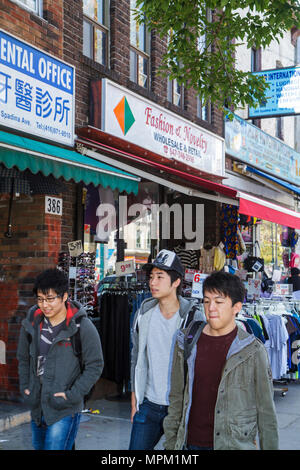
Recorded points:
(262,209)
(25,153)
(185,176)
(180,186)
(285,184)
(191,184)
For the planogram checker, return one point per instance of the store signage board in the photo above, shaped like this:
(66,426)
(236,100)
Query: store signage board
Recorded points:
(282,96)
(283,289)
(37,91)
(251,145)
(129,116)
(253,289)
(197,287)
(189,274)
(125,267)
(75,248)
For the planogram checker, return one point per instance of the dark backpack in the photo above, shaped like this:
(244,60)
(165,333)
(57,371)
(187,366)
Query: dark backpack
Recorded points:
(77,348)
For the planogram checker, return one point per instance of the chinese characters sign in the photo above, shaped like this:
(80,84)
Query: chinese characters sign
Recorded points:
(144,123)
(36,91)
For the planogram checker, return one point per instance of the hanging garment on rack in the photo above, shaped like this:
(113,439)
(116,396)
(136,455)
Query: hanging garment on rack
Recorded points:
(293,329)
(219,257)
(241,324)
(115,336)
(229,225)
(256,328)
(278,345)
(117,309)
(188,258)
(206,260)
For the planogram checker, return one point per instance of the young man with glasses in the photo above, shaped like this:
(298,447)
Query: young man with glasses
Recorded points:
(53,380)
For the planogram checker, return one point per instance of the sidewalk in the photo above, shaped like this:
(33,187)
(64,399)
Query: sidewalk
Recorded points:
(108,426)
(12,414)
(15,413)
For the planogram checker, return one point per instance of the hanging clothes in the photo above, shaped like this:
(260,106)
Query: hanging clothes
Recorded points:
(229,225)
(278,345)
(117,309)
(188,258)
(114,332)
(206,260)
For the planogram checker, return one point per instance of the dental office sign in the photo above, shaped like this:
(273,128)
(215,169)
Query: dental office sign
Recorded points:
(144,123)
(36,91)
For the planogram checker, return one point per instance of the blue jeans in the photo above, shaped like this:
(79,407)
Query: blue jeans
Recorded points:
(58,436)
(147,427)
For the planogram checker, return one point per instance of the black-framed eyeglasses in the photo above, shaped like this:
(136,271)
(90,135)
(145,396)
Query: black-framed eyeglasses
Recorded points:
(48,300)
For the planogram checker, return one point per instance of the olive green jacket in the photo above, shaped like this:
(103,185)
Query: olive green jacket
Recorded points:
(244,403)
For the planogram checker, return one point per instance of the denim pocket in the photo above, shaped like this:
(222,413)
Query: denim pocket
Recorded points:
(140,417)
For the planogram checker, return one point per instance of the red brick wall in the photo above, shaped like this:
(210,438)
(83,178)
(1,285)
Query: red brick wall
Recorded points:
(118,70)
(45,33)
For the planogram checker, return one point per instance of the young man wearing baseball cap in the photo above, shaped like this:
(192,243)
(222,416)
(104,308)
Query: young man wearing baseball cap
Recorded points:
(153,334)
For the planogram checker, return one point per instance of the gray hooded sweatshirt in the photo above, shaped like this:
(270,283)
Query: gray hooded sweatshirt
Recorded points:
(139,360)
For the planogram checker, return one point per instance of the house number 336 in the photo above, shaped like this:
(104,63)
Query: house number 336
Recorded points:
(53,205)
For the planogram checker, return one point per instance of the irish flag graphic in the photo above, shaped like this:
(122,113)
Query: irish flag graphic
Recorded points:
(124,115)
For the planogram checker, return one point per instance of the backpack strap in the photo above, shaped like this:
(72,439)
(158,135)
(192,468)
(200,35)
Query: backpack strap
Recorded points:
(77,349)
(76,343)
(190,339)
(189,317)
(192,335)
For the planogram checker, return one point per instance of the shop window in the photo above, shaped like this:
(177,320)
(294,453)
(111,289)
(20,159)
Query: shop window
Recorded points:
(95,30)
(279,128)
(139,50)
(271,247)
(255,60)
(33,5)
(255,67)
(203,110)
(175,93)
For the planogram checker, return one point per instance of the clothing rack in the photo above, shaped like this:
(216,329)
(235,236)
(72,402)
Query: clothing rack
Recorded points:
(289,307)
(117,306)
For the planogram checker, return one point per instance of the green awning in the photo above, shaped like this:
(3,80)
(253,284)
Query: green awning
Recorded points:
(25,153)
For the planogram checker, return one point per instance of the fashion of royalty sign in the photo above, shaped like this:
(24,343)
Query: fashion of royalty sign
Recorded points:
(141,122)
(36,91)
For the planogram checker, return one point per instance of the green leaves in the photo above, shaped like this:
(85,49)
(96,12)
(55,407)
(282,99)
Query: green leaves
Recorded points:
(211,69)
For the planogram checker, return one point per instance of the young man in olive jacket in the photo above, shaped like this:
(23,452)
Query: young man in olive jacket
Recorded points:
(226,396)
(53,378)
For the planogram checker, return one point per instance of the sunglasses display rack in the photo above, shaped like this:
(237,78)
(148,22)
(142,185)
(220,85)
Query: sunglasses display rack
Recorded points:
(81,273)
